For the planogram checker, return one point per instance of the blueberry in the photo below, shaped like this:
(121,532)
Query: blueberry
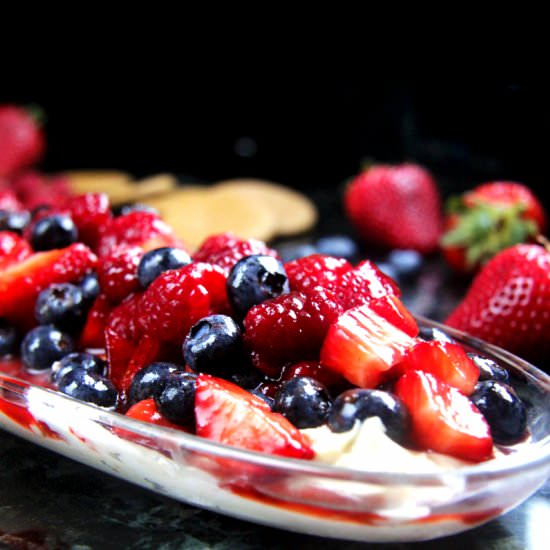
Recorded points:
(359,404)
(213,345)
(294,251)
(136,207)
(156,261)
(8,338)
(248,379)
(303,401)
(433,333)
(43,345)
(90,387)
(489,369)
(56,231)
(61,305)
(14,221)
(150,381)
(406,262)
(176,402)
(89,286)
(78,360)
(503,410)
(340,246)
(254,279)
(388,269)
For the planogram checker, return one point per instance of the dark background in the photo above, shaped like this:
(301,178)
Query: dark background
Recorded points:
(302,129)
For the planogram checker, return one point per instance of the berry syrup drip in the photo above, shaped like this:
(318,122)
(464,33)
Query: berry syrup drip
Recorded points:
(368,518)
(18,412)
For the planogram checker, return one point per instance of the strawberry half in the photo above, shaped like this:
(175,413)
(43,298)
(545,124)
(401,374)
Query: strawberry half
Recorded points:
(443,419)
(21,283)
(229,414)
(446,361)
(363,346)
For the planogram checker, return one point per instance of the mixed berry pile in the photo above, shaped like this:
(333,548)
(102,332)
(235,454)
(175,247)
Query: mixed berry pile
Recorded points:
(232,344)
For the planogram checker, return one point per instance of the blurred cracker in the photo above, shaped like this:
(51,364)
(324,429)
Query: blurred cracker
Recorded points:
(196,212)
(294,212)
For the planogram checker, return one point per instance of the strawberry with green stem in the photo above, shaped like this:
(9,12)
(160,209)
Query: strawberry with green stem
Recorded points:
(491,217)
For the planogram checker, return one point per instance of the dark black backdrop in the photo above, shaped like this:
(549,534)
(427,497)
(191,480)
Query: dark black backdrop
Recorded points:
(301,129)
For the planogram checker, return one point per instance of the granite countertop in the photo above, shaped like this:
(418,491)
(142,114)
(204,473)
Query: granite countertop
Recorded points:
(51,502)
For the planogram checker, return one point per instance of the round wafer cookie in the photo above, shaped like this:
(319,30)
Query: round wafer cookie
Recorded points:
(294,212)
(198,212)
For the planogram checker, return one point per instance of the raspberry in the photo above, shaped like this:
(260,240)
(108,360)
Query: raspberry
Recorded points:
(289,328)
(178,298)
(117,272)
(138,228)
(313,369)
(306,273)
(9,201)
(226,249)
(90,213)
(13,248)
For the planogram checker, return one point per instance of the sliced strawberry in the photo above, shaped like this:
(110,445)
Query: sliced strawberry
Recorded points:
(365,283)
(146,410)
(362,346)
(228,414)
(448,362)
(121,337)
(13,249)
(392,309)
(443,419)
(21,283)
(93,333)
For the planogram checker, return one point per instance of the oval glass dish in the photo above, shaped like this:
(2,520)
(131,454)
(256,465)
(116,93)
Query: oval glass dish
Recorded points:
(297,495)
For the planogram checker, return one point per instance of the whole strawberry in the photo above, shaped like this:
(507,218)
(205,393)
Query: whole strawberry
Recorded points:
(488,219)
(22,141)
(396,207)
(508,302)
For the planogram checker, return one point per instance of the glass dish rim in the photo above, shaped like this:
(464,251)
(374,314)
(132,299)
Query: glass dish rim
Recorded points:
(519,462)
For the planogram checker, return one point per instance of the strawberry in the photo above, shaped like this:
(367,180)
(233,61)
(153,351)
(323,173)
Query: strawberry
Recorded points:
(21,283)
(22,141)
(446,361)
(443,419)
(229,414)
(508,302)
(487,219)
(93,333)
(395,207)
(147,411)
(362,345)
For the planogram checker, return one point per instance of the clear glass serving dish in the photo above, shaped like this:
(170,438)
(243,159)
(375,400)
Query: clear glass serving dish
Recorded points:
(297,495)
